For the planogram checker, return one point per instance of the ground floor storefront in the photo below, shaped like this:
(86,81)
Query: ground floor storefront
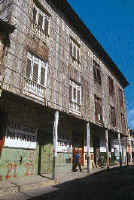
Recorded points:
(35,140)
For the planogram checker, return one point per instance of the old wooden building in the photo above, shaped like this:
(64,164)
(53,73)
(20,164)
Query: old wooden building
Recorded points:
(60,91)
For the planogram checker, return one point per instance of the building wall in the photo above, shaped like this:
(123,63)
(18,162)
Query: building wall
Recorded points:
(60,65)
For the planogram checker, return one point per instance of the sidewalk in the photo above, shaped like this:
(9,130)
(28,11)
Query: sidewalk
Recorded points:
(37,182)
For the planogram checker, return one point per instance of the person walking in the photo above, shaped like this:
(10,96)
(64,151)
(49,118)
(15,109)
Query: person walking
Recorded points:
(77,162)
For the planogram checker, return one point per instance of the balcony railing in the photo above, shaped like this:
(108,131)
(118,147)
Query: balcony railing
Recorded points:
(34,89)
(74,108)
(39,33)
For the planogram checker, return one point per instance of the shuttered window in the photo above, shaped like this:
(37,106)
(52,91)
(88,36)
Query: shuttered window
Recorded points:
(36,69)
(98,109)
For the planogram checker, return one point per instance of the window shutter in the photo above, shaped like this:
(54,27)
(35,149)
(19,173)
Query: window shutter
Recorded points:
(70,93)
(35,73)
(46,27)
(42,81)
(34,15)
(40,21)
(78,97)
(28,69)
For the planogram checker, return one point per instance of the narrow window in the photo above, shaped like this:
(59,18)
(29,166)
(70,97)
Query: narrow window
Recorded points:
(111,86)
(46,24)
(74,52)
(70,48)
(42,81)
(40,21)
(70,93)
(112,116)
(35,73)
(123,122)
(78,55)
(36,69)
(98,109)
(78,97)
(34,15)
(120,97)
(97,73)
(75,96)
(28,68)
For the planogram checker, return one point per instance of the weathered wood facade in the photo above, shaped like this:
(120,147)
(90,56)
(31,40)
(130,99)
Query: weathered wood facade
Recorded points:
(55,63)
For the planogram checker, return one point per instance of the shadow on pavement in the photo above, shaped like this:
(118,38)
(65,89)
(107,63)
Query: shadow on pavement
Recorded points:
(114,184)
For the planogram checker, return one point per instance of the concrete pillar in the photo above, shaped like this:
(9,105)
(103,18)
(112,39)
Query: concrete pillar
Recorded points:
(55,138)
(88,147)
(119,139)
(107,148)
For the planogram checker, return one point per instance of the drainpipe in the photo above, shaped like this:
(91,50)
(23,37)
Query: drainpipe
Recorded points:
(119,139)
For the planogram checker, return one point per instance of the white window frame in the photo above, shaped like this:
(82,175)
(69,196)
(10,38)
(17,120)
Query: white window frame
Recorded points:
(77,49)
(41,64)
(44,17)
(77,88)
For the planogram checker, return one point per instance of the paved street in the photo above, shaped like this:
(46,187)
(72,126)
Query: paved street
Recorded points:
(115,184)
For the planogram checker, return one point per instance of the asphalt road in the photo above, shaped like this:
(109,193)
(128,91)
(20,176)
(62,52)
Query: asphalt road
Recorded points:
(115,184)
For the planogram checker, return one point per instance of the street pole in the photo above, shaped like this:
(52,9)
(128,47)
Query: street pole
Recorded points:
(119,139)
(55,137)
(107,148)
(88,147)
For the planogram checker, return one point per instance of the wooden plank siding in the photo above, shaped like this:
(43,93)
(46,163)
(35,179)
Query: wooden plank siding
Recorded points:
(55,48)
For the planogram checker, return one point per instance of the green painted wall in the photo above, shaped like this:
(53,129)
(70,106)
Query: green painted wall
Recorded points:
(63,162)
(16,163)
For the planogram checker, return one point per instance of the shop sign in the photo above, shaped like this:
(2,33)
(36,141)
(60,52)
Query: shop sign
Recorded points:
(20,136)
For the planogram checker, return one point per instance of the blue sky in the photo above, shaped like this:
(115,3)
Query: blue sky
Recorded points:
(112,23)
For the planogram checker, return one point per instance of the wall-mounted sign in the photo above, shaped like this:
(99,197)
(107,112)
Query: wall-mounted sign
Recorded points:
(20,136)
